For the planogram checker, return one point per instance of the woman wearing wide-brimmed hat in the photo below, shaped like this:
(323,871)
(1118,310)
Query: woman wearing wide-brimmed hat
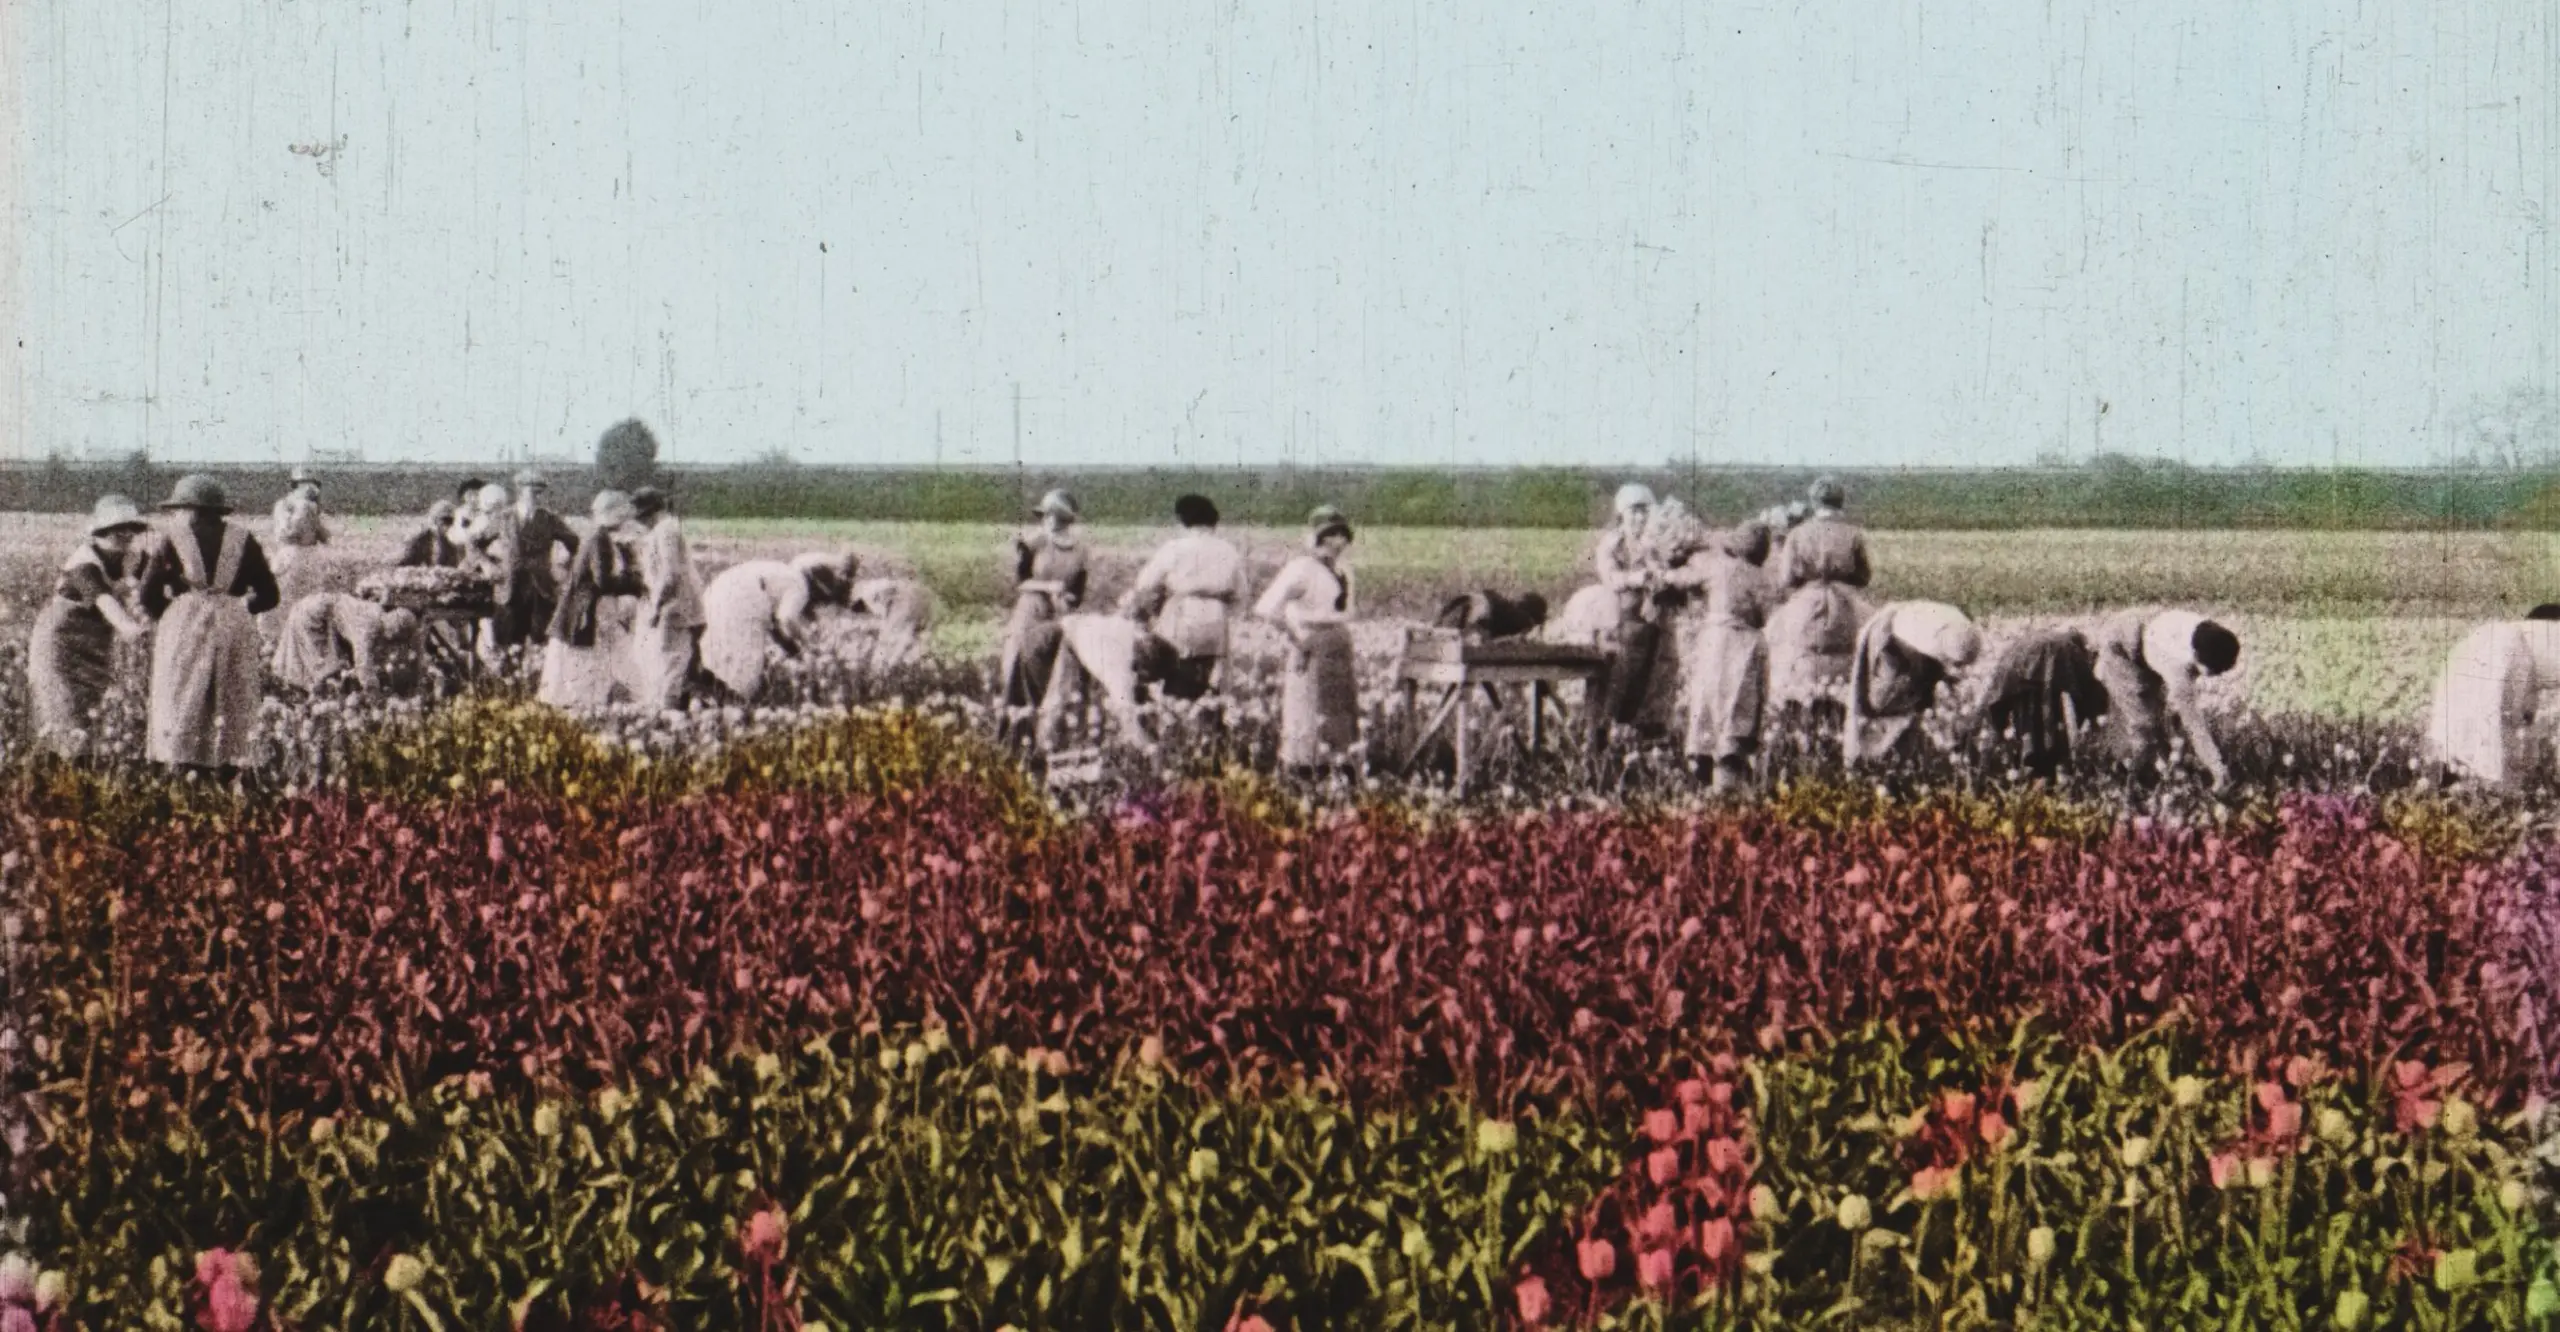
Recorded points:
(1310,601)
(1049,574)
(71,655)
(203,581)
(588,653)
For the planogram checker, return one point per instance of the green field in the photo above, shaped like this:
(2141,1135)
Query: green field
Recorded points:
(2350,624)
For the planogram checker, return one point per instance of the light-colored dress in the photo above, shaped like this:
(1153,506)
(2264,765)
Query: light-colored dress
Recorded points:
(327,633)
(207,665)
(663,643)
(1724,658)
(1903,653)
(1188,590)
(71,654)
(296,531)
(1821,567)
(745,611)
(2485,717)
(1096,654)
(1319,693)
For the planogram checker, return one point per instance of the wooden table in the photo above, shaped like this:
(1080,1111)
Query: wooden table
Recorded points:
(1441,659)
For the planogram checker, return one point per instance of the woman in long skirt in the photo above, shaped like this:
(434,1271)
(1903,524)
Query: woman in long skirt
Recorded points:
(71,654)
(1725,660)
(2483,719)
(753,608)
(587,656)
(1049,574)
(203,582)
(666,634)
(1904,653)
(1310,600)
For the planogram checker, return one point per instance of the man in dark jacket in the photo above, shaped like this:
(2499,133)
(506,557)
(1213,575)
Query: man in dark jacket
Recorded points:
(530,585)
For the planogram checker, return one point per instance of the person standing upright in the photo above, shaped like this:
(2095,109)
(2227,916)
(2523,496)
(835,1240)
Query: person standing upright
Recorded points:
(298,530)
(589,651)
(432,545)
(71,655)
(1186,594)
(1725,663)
(1631,570)
(202,581)
(1050,570)
(530,585)
(1310,602)
(666,641)
(1822,571)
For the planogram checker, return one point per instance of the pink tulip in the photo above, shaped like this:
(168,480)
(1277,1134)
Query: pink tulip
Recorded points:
(1249,1323)
(1957,1106)
(1715,1238)
(214,1265)
(2270,1095)
(1598,1259)
(1662,1126)
(1691,1091)
(1695,1120)
(228,1308)
(1660,1222)
(17,1320)
(2222,1166)
(2285,1121)
(1531,1297)
(763,1237)
(1932,1183)
(1995,1130)
(1724,1156)
(1663,1165)
(1654,1269)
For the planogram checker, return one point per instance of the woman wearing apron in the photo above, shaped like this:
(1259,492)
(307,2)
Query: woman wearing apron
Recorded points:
(71,654)
(1310,601)
(1049,575)
(203,583)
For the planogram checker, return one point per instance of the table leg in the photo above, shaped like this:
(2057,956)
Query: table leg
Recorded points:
(1461,697)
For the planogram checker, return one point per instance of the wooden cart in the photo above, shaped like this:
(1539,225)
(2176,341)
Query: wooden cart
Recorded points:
(448,619)
(1443,659)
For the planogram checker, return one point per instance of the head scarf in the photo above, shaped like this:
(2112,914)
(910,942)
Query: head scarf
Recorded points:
(1938,631)
(1633,495)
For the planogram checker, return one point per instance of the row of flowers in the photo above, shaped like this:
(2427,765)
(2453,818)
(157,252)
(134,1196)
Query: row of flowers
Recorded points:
(896,1179)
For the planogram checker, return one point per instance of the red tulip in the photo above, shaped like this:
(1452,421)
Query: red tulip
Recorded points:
(1933,1182)
(1995,1130)
(1662,1126)
(1598,1259)
(2222,1167)
(1659,1223)
(1957,1107)
(1655,1268)
(2270,1095)
(1715,1238)
(228,1308)
(763,1238)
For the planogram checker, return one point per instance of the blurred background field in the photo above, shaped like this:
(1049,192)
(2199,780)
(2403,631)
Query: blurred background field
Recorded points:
(2342,624)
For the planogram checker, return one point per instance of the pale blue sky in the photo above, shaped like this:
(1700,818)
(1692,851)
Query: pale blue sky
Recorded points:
(1405,231)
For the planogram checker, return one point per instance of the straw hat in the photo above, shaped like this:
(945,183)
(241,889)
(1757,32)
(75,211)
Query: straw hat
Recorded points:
(113,512)
(199,492)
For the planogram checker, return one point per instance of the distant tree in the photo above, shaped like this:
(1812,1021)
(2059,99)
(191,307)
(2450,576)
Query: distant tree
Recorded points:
(627,456)
(2515,430)
(139,480)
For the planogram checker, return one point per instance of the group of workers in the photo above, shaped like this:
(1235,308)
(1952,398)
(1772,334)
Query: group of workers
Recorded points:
(620,615)
(1769,620)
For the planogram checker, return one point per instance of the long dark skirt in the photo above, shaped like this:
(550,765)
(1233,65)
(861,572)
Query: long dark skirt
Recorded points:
(2041,686)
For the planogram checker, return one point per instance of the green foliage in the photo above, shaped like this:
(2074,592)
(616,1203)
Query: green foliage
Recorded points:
(627,456)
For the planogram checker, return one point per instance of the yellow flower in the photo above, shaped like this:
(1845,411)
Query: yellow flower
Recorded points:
(768,1067)
(2187,1092)
(1854,1213)
(1204,1165)
(916,1054)
(937,1039)
(2040,1245)
(2334,1127)
(2460,1119)
(403,1275)
(2514,1197)
(1764,1205)
(2349,1315)
(1497,1137)
(546,1120)
(2135,1152)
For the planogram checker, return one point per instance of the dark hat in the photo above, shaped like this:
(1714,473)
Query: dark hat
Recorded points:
(648,500)
(1327,521)
(1827,492)
(2217,649)
(1195,511)
(197,491)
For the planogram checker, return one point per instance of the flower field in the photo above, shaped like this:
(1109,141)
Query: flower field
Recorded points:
(466,1014)
(481,1018)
